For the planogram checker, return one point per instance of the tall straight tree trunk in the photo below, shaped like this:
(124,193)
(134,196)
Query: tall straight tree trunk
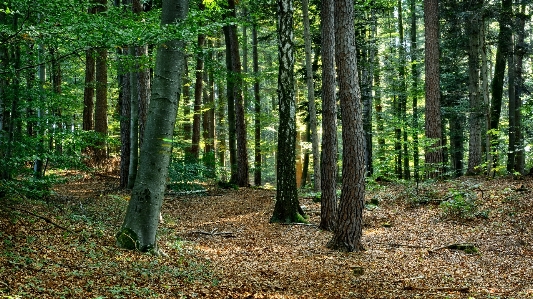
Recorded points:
(502,51)
(125,126)
(38,166)
(257,110)
(349,229)
(367,74)
(88,94)
(328,205)
(311,97)
(139,228)
(187,125)
(433,121)
(287,207)
(415,77)
(473,25)
(402,96)
(230,97)
(520,51)
(198,92)
(100,113)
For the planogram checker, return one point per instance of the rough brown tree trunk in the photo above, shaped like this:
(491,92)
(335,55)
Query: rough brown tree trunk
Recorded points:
(328,205)
(349,229)
(473,25)
(257,110)
(433,155)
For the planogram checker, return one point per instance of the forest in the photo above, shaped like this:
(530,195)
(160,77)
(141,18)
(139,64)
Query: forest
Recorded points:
(266,149)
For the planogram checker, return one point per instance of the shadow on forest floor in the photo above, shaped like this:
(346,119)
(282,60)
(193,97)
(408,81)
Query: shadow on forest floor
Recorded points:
(220,245)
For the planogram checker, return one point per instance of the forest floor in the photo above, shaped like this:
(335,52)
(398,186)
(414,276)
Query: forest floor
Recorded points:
(221,245)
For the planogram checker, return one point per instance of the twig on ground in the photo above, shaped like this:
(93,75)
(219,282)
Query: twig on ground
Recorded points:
(214,232)
(47,220)
(466,247)
(299,223)
(401,245)
(447,289)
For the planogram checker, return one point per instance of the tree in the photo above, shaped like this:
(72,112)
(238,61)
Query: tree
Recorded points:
(100,112)
(257,110)
(473,25)
(311,96)
(504,46)
(415,77)
(328,205)
(433,155)
(349,229)
(239,168)
(198,91)
(140,224)
(287,208)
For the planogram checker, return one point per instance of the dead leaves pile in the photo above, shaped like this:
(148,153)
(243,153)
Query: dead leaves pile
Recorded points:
(220,245)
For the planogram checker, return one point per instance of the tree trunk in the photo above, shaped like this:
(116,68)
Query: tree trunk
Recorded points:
(433,154)
(125,126)
(311,97)
(100,113)
(502,51)
(415,77)
(328,205)
(198,89)
(257,110)
(349,230)
(473,25)
(402,96)
(139,228)
(520,51)
(88,94)
(287,208)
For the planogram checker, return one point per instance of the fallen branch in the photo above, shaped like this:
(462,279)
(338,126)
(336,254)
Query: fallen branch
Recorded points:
(400,245)
(466,247)
(299,223)
(214,232)
(47,220)
(446,289)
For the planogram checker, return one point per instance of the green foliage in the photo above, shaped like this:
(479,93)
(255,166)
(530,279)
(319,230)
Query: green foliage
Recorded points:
(461,204)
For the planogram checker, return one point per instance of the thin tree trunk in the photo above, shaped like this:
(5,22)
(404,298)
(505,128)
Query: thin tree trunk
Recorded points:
(473,24)
(257,110)
(502,51)
(311,97)
(520,51)
(415,77)
(328,206)
(198,92)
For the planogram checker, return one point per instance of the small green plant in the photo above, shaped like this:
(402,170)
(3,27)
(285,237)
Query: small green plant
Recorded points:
(461,204)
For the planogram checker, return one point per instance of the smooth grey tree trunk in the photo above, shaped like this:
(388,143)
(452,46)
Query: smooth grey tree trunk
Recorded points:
(139,228)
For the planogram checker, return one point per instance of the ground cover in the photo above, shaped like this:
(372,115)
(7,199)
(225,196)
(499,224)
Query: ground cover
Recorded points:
(468,238)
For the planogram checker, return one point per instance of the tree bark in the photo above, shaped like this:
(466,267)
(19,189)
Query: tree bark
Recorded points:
(349,229)
(473,25)
(328,205)
(139,228)
(311,97)
(198,90)
(433,121)
(415,77)
(287,207)
(257,110)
